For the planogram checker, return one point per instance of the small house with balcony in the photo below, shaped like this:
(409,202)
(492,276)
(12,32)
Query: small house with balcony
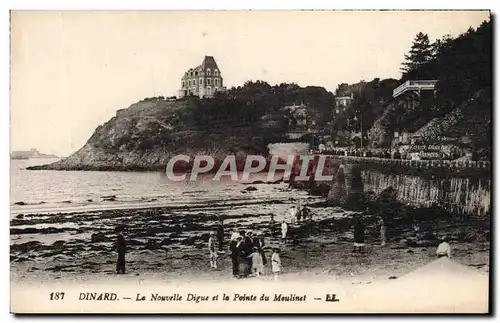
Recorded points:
(416,91)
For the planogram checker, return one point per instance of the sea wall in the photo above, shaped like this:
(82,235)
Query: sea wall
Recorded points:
(459,188)
(462,195)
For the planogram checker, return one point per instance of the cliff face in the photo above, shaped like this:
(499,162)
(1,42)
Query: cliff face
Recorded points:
(472,118)
(149,133)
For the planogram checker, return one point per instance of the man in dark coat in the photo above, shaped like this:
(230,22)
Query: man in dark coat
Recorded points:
(248,245)
(306,213)
(220,234)
(235,253)
(121,247)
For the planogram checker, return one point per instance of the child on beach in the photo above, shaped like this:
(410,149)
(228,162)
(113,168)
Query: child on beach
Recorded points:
(257,265)
(276,263)
(284,231)
(213,251)
(444,249)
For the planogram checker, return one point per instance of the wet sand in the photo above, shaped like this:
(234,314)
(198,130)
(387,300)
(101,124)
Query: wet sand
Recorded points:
(170,244)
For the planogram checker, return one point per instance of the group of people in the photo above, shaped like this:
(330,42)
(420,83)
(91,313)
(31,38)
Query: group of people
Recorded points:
(396,154)
(247,248)
(366,153)
(295,214)
(359,234)
(248,256)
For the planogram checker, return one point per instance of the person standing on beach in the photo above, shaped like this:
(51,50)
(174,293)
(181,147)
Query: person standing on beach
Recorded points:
(257,266)
(444,249)
(359,236)
(284,231)
(121,247)
(291,214)
(272,224)
(298,214)
(220,234)
(213,250)
(383,232)
(262,243)
(306,213)
(248,245)
(233,247)
(243,268)
(276,263)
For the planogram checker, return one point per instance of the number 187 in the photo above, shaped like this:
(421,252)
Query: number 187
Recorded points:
(56,296)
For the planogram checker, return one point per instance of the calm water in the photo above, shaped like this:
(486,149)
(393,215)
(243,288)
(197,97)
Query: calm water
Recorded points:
(69,191)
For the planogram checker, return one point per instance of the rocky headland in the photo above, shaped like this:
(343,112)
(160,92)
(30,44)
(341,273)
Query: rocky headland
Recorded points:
(149,133)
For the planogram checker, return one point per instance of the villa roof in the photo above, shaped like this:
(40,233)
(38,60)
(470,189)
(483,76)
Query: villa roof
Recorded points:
(209,62)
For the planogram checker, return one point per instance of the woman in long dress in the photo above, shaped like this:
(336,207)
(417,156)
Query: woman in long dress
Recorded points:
(359,236)
(276,263)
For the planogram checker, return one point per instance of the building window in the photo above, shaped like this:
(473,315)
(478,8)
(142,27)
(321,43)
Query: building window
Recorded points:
(194,82)
(209,91)
(208,71)
(201,82)
(183,84)
(196,73)
(216,82)
(216,72)
(208,82)
(189,83)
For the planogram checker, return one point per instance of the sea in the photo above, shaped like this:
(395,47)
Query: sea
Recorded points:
(48,191)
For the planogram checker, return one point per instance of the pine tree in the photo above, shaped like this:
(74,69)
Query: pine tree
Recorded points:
(420,54)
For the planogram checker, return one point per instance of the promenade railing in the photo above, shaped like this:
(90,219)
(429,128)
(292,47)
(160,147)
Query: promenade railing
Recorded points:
(426,163)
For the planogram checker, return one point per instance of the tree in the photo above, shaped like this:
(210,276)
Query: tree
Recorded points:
(421,53)
(342,89)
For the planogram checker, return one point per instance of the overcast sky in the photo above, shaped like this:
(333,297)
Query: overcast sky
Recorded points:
(71,71)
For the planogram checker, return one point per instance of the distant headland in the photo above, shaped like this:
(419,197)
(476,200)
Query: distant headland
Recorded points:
(27,154)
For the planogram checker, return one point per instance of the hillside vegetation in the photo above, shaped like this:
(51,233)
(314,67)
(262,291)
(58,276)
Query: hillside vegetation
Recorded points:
(246,118)
(149,133)
(460,107)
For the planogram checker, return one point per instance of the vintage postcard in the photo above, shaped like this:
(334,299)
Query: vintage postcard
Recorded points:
(250,161)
